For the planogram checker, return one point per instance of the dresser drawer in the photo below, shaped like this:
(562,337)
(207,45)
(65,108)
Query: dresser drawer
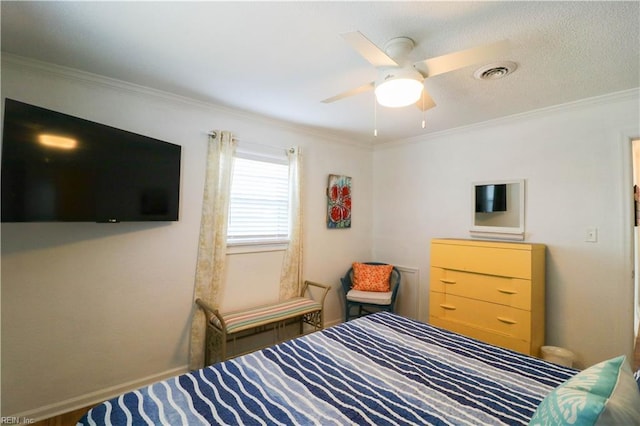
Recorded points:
(499,319)
(518,345)
(490,260)
(515,292)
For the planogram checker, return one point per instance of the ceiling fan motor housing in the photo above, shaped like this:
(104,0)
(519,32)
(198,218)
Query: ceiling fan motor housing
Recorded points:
(407,72)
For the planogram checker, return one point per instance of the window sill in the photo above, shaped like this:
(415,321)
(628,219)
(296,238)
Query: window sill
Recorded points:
(245,248)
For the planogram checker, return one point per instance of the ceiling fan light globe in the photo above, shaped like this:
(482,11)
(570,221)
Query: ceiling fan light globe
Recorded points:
(399,92)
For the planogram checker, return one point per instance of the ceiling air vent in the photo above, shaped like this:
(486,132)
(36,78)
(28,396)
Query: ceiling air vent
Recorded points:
(495,71)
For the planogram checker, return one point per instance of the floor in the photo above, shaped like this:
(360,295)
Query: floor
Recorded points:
(66,419)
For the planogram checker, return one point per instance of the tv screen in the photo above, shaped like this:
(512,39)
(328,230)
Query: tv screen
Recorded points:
(59,168)
(491,198)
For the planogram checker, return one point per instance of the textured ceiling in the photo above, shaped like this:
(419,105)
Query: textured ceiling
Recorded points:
(280,59)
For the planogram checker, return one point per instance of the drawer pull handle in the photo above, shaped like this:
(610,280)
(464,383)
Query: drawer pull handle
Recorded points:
(507,291)
(507,320)
(446,281)
(448,307)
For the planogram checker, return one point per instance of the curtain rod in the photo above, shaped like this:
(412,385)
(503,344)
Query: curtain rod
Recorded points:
(213,134)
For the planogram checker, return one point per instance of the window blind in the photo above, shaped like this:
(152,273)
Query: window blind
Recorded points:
(259,203)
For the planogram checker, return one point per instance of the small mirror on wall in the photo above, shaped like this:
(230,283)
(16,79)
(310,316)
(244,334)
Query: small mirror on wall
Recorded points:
(497,209)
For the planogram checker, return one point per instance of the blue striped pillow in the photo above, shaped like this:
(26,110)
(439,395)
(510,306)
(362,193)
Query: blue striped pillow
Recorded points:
(604,394)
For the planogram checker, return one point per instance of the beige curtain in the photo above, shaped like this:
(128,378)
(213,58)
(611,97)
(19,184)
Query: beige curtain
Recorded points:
(291,275)
(212,246)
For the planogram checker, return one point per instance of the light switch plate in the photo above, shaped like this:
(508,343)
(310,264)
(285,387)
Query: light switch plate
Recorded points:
(591,235)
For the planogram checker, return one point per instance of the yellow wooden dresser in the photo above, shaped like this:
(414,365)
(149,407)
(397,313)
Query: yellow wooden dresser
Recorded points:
(492,291)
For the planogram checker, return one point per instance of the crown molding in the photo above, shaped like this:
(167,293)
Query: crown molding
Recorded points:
(124,86)
(323,134)
(621,96)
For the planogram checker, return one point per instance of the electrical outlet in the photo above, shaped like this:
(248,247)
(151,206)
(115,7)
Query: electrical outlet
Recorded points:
(591,235)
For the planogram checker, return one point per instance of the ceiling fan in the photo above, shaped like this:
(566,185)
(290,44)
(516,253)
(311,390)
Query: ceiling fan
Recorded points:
(401,83)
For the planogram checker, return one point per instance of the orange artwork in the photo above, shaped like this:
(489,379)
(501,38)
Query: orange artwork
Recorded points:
(339,202)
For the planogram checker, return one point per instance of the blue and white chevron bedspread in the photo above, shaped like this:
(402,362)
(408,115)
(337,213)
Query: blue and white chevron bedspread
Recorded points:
(382,369)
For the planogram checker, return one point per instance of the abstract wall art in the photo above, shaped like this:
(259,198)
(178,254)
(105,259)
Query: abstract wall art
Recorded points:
(339,202)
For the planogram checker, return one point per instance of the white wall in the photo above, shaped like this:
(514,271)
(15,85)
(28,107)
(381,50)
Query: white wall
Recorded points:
(575,160)
(90,310)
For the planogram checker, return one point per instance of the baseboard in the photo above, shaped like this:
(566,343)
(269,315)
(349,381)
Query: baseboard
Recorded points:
(93,398)
(97,397)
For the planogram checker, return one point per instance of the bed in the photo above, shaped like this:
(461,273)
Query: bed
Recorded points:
(379,369)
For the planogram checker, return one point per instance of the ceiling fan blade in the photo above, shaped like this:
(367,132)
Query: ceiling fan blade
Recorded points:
(425,102)
(357,90)
(463,58)
(368,50)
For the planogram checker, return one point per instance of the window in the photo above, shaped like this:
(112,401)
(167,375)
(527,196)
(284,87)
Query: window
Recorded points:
(259,203)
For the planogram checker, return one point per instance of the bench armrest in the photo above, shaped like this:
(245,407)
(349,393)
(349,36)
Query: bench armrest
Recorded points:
(325,289)
(210,312)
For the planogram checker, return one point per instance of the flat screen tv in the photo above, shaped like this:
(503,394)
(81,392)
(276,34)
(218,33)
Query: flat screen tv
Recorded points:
(491,198)
(59,168)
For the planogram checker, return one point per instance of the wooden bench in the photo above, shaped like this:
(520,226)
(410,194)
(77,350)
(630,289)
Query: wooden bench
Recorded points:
(223,328)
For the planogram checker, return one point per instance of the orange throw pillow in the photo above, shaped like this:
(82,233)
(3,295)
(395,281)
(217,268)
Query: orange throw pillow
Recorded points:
(371,277)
